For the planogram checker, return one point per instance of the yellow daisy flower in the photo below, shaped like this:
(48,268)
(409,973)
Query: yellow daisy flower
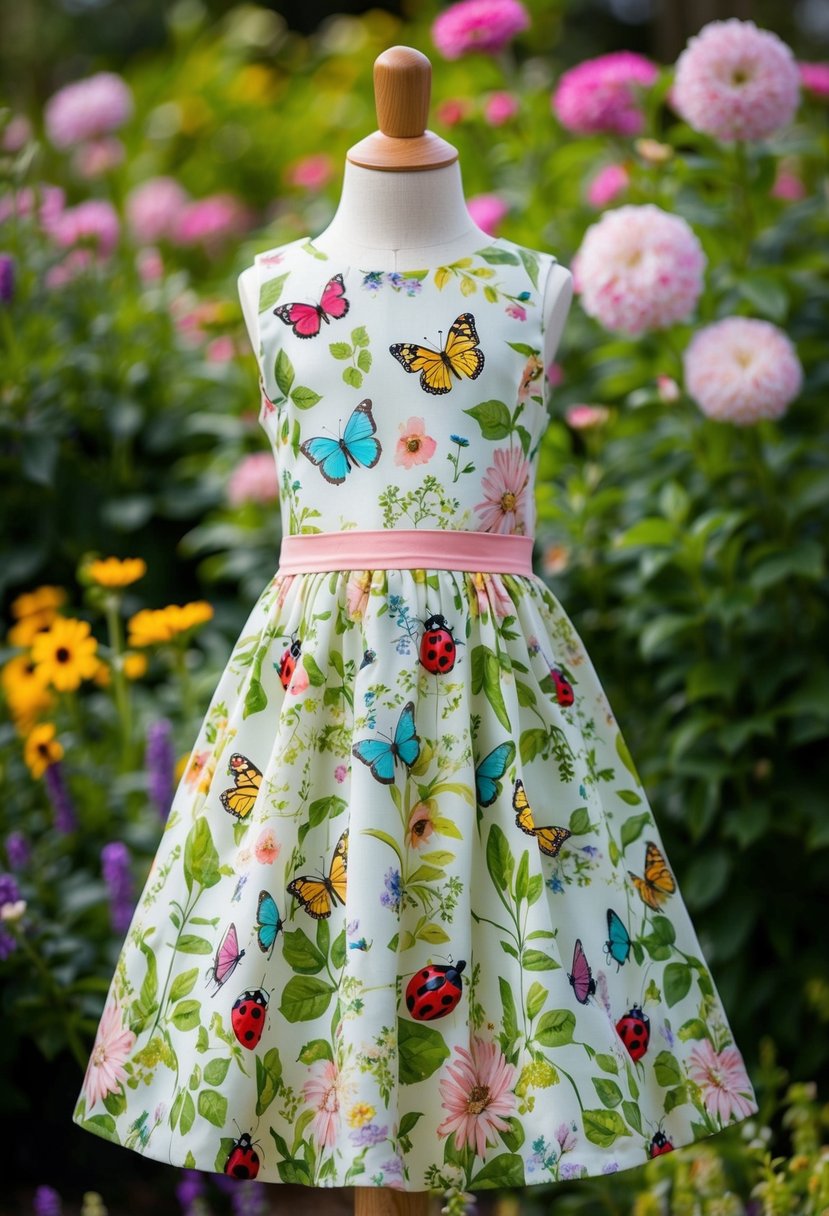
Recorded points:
(42,598)
(152,625)
(115,572)
(42,749)
(26,693)
(134,665)
(65,653)
(360,1114)
(28,627)
(187,616)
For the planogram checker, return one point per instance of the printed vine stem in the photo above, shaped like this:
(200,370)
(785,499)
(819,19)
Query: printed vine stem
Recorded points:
(185,916)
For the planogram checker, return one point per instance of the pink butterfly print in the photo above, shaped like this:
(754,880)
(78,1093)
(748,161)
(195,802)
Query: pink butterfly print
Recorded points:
(581,976)
(228,957)
(305,319)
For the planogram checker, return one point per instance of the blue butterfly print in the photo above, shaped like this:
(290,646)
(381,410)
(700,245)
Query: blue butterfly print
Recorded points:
(617,946)
(381,755)
(268,922)
(489,772)
(335,458)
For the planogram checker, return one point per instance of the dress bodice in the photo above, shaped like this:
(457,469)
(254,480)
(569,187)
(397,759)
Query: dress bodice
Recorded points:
(404,399)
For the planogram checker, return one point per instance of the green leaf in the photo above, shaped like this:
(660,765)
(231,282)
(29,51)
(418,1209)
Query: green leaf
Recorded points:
(801,560)
(268,1080)
(499,859)
(666,1069)
(201,860)
(676,982)
(316,1049)
(283,373)
(340,350)
(364,361)
(602,1127)
(493,417)
(653,531)
(609,1092)
(624,755)
(607,1062)
(497,256)
(421,1051)
(359,336)
(216,1071)
(188,1114)
(183,984)
(765,293)
(294,1171)
(629,796)
(102,1125)
(271,291)
(510,1019)
(536,999)
(432,933)
(409,1122)
(303,398)
(256,699)
(305,998)
(353,376)
(537,960)
(633,828)
(505,1170)
(579,823)
(315,676)
(213,1107)
(632,1115)
(522,877)
(301,954)
(186,1015)
(555,1028)
(189,943)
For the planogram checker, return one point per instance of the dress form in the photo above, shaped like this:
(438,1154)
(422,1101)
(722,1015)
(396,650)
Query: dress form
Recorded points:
(402,202)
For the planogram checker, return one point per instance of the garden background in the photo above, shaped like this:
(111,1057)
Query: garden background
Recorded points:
(683,494)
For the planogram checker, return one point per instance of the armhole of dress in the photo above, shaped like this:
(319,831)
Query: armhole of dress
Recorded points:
(546,387)
(260,360)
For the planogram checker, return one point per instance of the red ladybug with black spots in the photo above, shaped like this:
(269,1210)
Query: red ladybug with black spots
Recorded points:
(660,1144)
(434,991)
(438,649)
(247,1017)
(635,1032)
(243,1159)
(288,662)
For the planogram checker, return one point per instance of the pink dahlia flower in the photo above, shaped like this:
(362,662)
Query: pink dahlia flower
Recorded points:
(95,221)
(209,221)
(504,508)
(87,108)
(48,199)
(735,81)
(601,95)
(311,172)
(478,25)
(500,108)
(478,1095)
(110,1052)
(741,370)
(815,78)
(253,480)
(487,210)
(723,1080)
(639,269)
(608,183)
(153,208)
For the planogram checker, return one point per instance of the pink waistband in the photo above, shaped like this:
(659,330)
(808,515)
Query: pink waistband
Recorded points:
(406,549)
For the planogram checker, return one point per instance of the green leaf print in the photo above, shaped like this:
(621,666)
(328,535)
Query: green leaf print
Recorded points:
(256,699)
(340,350)
(510,1019)
(556,1028)
(195,1077)
(305,998)
(337,954)
(201,861)
(513,1137)
(666,1069)
(301,953)
(216,1071)
(102,1125)
(213,1107)
(522,878)
(486,675)
(535,999)
(676,981)
(609,1092)
(632,1115)
(185,1015)
(633,828)
(271,292)
(188,1114)
(537,960)
(607,1062)
(303,398)
(295,1171)
(268,1079)
(626,758)
(315,676)
(694,1028)
(409,1121)
(530,261)
(225,1147)
(493,417)
(629,796)
(535,888)
(146,1004)
(499,859)
(115,1102)
(498,257)
(676,1097)
(284,373)
(190,943)
(504,1170)
(420,1049)
(602,1127)
(317,1049)
(579,822)
(183,984)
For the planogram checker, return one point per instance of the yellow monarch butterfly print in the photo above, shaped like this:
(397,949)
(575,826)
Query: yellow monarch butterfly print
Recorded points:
(658,882)
(316,893)
(461,356)
(239,799)
(550,839)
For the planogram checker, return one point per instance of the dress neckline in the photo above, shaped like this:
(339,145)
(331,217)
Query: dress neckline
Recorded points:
(422,268)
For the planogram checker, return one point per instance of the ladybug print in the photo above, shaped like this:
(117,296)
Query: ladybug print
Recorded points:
(434,991)
(247,1017)
(438,649)
(243,1159)
(564,689)
(660,1144)
(635,1032)
(288,662)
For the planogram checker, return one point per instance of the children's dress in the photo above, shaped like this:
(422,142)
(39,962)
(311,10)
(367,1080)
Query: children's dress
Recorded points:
(411,922)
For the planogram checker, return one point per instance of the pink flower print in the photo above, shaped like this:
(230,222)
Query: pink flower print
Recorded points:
(505,493)
(478,1095)
(414,446)
(299,681)
(516,310)
(532,371)
(490,592)
(723,1080)
(421,825)
(340,773)
(113,1044)
(200,769)
(324,1092)
(284,581)
(356,594)
(267,847)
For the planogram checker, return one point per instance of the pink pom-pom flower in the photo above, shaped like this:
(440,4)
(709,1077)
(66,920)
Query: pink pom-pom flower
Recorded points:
(478,25)
(639,269)
(154,207)
(735,81)
(601,96)
(87,108)
(741,370)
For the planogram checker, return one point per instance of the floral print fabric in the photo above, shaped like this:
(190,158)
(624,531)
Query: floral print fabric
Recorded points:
(410,923)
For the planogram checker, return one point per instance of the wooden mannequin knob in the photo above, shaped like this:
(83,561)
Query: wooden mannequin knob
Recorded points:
(402,88)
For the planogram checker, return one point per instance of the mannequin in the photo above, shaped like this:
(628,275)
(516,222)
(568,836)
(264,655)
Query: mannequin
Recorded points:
(401,205)
(402,200)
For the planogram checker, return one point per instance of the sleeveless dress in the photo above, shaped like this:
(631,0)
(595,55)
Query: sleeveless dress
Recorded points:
(411,922)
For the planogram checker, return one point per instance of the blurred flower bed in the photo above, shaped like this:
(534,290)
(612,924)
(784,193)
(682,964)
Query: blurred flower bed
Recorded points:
(683,490)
